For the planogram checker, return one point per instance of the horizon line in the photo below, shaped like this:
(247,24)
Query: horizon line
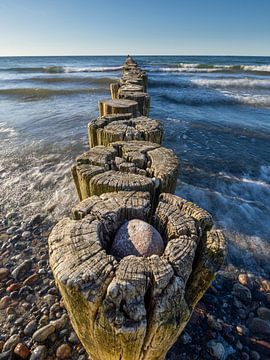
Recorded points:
(121,55)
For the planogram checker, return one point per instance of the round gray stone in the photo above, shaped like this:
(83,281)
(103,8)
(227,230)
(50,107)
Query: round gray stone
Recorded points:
(137,237)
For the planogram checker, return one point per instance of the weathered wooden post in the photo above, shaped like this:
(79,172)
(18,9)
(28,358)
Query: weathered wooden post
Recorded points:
(111,128)
(134,307)
(118,106)
(131,165)
(135,259)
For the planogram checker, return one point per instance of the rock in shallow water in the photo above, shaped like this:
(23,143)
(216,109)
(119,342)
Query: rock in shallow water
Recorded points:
(137,237)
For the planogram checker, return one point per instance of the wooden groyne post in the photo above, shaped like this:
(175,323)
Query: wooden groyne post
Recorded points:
(134,260)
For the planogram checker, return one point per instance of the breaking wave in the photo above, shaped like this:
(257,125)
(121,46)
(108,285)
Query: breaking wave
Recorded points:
(190,67)
(63,69)
(217,99)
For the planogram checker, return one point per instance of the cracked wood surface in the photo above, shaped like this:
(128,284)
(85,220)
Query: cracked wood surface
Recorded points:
(132,165)
(136,307)
(111,128)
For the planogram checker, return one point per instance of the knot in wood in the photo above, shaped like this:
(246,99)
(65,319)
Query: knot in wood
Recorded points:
(137,237)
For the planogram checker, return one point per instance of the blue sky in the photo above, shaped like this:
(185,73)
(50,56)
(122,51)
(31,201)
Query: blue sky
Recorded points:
(97,27)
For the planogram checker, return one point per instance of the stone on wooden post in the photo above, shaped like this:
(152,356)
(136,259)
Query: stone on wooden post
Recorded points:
(111,128)
(118,106)
(132,165)
(133,307)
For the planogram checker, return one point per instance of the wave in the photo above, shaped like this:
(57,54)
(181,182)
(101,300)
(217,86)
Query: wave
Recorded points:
(31,94)
(70,79)
(201,68)
(238,83)
(63,69)
(218,99)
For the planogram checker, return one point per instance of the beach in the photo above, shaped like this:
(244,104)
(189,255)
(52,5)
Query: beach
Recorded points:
(216,115)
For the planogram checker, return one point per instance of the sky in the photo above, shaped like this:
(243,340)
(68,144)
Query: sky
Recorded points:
(138,27)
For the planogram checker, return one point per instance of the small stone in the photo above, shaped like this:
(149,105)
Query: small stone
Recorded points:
(242,330)
(4,302)
(60,323)
(12,230)
(73,338)
(63,351)
(13,287)
(26,234)
(49,299)
(31,279)
(214,324)
(21,270)
(137,237)
(244,356)
(259,327)
(22,351)
(238,345)
(186,338)
(11,342)
(242,292)
(43,333)
(216,349)
(263,313)
(30,328)
(243,279)
(4,273)
(265,285)
(254,355)
(39,353)
(44,320)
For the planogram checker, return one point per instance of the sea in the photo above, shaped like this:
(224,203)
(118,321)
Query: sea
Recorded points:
(216,115)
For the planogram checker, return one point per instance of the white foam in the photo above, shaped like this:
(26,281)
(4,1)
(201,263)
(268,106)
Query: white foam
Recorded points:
(243,82)
(263,68)
(70,69)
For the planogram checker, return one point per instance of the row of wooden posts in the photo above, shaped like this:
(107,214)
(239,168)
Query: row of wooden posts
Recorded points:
(132,308)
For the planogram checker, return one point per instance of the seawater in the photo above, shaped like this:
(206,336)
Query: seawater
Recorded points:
(216,114)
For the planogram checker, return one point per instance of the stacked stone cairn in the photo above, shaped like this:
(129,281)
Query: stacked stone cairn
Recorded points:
(135,259)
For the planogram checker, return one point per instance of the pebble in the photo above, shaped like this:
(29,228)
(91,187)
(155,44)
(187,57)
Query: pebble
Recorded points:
(242,292)
(265,285)
(21,270)
(63,351)
(214,324)
(43,333)
(254,355)
(259,327)
(73,338)
(11,342)
(4,302)
(22,351)
(12,230)
(39,353)
(31,279)
(30,328)
(216,349)
(242,330)
(60,323)
(263,313)
(4,273)
(245,280)
(26,234)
